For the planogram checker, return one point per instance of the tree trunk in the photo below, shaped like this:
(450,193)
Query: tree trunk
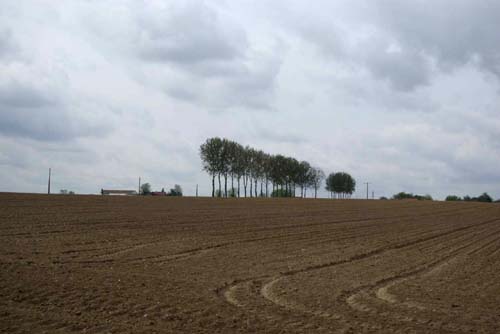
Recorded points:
(213,185)
(245,183)
(220,191)
(225,185)
(256,188)
(239,186)
(315,192)
(233,194)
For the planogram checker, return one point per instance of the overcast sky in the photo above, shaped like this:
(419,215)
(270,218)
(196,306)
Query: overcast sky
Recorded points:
(403,94)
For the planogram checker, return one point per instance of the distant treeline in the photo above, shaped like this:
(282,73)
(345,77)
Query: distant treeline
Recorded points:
(146,190)
(403,195)
(482,198)
(263,174)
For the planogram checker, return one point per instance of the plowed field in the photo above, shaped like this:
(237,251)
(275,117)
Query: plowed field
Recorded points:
(97,264)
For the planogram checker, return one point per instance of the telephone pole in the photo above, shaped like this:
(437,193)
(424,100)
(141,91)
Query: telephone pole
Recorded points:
(196,190)
(367,183)
(139,192)
(48,186)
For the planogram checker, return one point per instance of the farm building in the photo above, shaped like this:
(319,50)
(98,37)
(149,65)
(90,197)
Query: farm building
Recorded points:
(118,192)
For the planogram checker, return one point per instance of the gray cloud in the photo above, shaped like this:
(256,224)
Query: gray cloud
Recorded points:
(187,34)
(453,32)
(6,44)
(28,112)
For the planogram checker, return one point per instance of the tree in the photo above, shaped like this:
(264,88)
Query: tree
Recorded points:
(303,175)
(485,198)
(453,198)
(176,191)
(403,195)
(210,153)
(341,184)
(145,189)
(235,165)
(349,184)
(316,178)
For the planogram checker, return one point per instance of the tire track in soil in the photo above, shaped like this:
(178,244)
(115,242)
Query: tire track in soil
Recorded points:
(379,289)
(227,291)
(382,286)
(383,291)
(341,318)
(267,288)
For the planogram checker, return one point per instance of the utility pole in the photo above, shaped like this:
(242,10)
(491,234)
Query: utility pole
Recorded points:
(367,183)
(196,190)
(48,186)
(139,192)
(373,195)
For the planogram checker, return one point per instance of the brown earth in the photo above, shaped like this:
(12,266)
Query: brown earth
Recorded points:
(98,264)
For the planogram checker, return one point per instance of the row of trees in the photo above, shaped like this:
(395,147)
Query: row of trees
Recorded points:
(481,198)
(146,190)
(403,195)
(263,174)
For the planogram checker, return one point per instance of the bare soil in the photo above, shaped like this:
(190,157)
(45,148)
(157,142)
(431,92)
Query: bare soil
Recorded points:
(99,264)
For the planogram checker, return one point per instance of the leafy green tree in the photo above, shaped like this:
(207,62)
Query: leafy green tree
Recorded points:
(175,191)
(303,176)
(341,184)
(281,193)
(453,198)
(210,153)
(403,195)
(485,198)
(145,189)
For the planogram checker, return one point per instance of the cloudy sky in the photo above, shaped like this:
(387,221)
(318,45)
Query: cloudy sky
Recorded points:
(403,94)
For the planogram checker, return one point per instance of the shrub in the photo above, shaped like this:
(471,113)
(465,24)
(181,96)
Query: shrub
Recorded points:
(176,191)
(403,195)
(281,193)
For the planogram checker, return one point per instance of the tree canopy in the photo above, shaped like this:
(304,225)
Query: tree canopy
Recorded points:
(484,197)
(175,191)
(340,184)
(145,189)
(254,173)
(403,195)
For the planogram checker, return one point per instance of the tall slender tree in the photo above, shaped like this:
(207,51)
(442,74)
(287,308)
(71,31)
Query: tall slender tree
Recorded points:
(316,178)
(210,153)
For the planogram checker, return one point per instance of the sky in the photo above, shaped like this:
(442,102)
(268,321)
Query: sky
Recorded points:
(402,94)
